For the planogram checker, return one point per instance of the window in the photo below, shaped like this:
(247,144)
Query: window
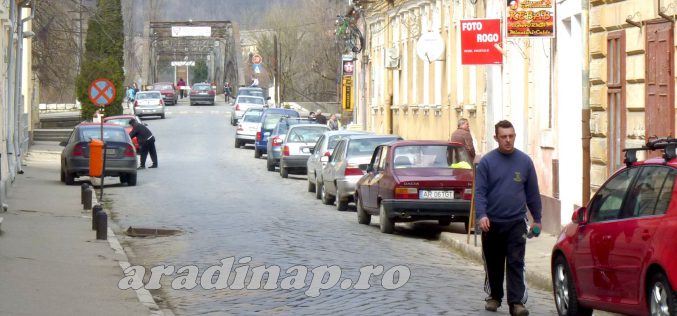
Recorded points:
(432,156)
(365,147)
(616,98)
(606,204)
(651,193)
(338,152)
(318,147)
(376,158)
(306,134)
(384,159)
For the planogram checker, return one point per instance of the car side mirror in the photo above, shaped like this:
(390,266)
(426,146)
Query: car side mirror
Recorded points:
(312,150)
(370,168)
(580,216)
(63,143)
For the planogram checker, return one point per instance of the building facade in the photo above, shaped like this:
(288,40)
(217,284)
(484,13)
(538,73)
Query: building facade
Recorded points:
(540,87)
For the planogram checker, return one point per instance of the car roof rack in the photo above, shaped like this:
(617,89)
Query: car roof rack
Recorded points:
(667,144)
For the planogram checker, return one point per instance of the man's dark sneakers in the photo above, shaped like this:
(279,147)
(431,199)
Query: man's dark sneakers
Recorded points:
(492,305)
(153,166)
(519,310)
(141,167)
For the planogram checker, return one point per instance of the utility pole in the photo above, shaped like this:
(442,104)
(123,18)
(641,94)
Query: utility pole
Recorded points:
(81,47)
(276,71)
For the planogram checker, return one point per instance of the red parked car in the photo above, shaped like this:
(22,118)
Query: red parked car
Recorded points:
(618,253)
(168,90)
(416,180)
(123,120)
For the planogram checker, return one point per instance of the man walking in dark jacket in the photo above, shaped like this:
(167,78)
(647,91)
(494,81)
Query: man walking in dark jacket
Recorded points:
(146,142)
(505,186)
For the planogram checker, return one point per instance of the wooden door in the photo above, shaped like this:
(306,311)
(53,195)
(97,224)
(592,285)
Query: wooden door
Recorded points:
(659,116)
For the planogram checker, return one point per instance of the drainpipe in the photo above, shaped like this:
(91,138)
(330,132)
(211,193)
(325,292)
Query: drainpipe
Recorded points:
(585,117)
(18,99)
(10,96)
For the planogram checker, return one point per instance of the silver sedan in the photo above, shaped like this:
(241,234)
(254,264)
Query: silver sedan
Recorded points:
(320,154)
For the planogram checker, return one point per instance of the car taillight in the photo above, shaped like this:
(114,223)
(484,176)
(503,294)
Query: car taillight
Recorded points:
(237,107)
(276,141)
(129,151)
(193,92)
(406,193)
(353,170)
(285,150)
(211,92)
(258,136)
(77,150)
(327,154)
(467,194)
(136,103)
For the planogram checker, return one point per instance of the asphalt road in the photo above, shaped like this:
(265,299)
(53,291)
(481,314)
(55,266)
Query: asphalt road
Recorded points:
(227,205)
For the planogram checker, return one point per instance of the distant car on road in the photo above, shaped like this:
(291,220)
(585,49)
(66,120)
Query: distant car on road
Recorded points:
(300,140)
(346,165)
(168,90)
(242,103)
(269,120)
(248,126)
(149,103)
(202,93)
(324,147)
(120,153)
(123,120)
(251,91)
(416,180)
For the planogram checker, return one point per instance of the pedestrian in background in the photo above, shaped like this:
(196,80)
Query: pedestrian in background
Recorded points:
(319,118)
(181,84)
(506,186)
(462,135)
(146,142)
(333,123)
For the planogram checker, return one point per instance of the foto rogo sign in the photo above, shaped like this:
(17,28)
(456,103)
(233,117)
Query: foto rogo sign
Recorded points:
(478,38)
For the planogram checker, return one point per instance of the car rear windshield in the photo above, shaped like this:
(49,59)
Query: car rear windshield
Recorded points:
(333,140)
(250,100)
(121,122)
(163,87)
(306,134)
(148,95)
(201,87)
(109,134)
(252,117)
(257,93)
(271,120)
(366,146)
(431,156)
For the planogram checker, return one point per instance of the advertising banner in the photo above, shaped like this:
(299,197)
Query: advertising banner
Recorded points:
(347,95)
(531,18)
(478,42)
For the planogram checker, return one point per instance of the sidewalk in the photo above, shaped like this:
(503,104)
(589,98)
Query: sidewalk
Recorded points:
(537,256)
(50,260)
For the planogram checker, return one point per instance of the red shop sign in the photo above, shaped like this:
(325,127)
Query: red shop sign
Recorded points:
(478,40)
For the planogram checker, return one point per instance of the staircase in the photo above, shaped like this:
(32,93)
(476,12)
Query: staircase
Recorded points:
(51,134)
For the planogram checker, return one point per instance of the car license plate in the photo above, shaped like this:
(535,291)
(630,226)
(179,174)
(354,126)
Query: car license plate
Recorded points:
(202,93)
(305,150)
(435,195)
(111,151)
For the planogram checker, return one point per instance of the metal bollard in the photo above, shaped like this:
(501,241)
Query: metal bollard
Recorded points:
(101,225)
(87,196)
(83,187)
(97,208)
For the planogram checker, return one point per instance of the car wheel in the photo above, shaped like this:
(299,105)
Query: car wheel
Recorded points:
(387,224)
(311,186)
(564,290)
(191,103)
(327,198)
(270,165)
(284,172)
(318,190)
(62,175)
(444,222)
(162,116)
(341,205)
(69,178)
(131,179)
(362,216)
(123,178)
(237,144)
(257,153)
(661,298)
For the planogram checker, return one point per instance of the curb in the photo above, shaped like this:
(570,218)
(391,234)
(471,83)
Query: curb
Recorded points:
(142,294)
(541,281)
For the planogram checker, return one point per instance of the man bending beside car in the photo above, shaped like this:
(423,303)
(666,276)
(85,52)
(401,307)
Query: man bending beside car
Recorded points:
(146,142)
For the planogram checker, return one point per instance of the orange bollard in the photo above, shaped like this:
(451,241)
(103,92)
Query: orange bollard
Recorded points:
(95,158)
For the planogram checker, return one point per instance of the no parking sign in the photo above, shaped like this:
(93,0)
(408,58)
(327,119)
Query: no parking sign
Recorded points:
(101,92)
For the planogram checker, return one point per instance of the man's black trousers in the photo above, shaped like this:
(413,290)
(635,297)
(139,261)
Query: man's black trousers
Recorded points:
(146,148)
(503,246)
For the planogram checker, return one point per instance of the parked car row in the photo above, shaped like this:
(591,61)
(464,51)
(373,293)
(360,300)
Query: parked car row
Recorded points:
(384,175)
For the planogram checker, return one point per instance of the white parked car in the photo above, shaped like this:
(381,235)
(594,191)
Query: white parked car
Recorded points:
(248,125)
(242,103)
(297,145)
(149,103)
